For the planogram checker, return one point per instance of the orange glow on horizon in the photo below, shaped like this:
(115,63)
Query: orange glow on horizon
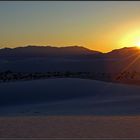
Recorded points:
(131,39)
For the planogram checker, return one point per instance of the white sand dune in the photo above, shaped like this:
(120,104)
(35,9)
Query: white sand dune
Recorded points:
(69,108)
(68,97)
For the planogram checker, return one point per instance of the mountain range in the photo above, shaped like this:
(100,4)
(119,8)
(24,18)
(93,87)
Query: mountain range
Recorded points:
(70,58)
(46,51)
(69,51)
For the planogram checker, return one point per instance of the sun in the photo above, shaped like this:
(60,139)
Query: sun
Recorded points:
(131,39)
(138,44)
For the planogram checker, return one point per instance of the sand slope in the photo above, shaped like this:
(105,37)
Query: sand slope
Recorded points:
(69,108)
(68,97)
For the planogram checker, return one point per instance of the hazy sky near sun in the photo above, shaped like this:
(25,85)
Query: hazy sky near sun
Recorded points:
(98,25)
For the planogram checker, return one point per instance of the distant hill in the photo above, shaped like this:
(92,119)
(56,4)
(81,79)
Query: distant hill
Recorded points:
(46,51)
(64,52)
(71,58)
(124,52)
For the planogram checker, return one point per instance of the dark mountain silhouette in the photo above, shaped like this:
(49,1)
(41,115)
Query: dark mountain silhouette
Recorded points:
(46,51)
(124,52)
(69,51)
(71,58)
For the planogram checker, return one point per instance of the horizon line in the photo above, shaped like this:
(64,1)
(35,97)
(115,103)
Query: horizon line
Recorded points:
(137,47)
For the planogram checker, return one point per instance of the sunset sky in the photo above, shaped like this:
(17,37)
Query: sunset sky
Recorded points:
(97,25)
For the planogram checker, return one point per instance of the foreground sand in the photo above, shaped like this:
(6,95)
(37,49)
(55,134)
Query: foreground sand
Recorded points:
(70,127)
(69,108)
